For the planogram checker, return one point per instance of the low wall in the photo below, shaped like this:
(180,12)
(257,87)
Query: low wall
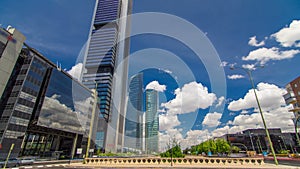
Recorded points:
(160,162)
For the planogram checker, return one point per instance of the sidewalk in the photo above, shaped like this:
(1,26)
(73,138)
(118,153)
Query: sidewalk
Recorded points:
(264,166)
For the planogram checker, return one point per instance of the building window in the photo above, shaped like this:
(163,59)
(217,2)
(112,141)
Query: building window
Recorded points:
(295,85)
(2,47)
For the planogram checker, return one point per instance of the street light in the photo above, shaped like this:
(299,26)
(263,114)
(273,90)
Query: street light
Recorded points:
(251,141)
(248,71)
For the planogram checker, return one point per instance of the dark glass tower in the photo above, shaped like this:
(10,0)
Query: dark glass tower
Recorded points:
(104,64)
(134,116)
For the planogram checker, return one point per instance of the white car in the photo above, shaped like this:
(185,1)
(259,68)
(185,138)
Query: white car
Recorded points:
(26,161)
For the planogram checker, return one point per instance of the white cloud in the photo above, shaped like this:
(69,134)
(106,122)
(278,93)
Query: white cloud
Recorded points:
(233,77)
(194,137)
(278,117)
(254,42)
(168,121)
(212,119)
(275,111)
(220,101)
(220,131)
(156,86)
(244,112)
(249,66)
(289,36)
(57,115)
(189,98)
(264,55)
(223,64)
(76,70)
(167,136)
(167,71)
(269,96)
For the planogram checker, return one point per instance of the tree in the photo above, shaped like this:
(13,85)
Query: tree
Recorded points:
(173,151)
(222,146)
(235,149)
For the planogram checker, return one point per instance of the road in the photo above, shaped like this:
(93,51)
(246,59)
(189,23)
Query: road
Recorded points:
(284,161)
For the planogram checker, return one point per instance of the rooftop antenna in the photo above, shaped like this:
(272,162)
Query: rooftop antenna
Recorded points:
(58,66)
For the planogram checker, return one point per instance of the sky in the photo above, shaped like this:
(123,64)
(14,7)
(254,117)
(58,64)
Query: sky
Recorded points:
(186,49)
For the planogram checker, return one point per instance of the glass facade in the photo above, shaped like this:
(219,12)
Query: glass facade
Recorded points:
(103,55)
(133,122)
(67,105)
(20,99)
(100,60)
(152,121)
(43,110)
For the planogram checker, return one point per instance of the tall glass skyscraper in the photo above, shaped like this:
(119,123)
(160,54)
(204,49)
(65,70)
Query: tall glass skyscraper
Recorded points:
(105,66)
(134,116)
(152,121)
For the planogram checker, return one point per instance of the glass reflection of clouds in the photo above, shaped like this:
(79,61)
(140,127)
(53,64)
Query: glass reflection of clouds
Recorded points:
(67,105)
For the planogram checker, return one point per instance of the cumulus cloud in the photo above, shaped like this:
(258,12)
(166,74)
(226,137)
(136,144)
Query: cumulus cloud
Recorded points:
(192,137)
(263,55)
(249,66)
(76,70)
(189,98)
(275,111)
(57,115)
(220,101)
(289,36)
(233,77)
(278,117)
(156,86)
(223,64)
(244,112)
(254,42)
(168,121)
(212,119)
(167,136)
(269,96)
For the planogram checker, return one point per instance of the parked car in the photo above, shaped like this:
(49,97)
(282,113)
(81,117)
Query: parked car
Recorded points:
(10,163)
(27,161)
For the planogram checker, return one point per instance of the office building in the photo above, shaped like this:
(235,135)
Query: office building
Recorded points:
(43,110)
(293,97)
(256,140)
(105,65)
(11,43)
(152,122)
(133,138)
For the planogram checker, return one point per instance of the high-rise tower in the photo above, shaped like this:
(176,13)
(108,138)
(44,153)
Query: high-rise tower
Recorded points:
(134,116)
(105,66)
(152,121)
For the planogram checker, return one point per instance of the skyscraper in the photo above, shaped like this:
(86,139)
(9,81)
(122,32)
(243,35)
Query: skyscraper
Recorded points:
(152,121)
(134,116)
(105,65)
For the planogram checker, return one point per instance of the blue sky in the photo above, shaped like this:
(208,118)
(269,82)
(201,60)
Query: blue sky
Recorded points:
(59,30)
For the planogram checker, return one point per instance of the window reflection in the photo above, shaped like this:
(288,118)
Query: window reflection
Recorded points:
(67,105)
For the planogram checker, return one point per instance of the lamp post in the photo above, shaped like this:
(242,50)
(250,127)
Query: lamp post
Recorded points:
(92,120)
(248,71)
(251,141)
